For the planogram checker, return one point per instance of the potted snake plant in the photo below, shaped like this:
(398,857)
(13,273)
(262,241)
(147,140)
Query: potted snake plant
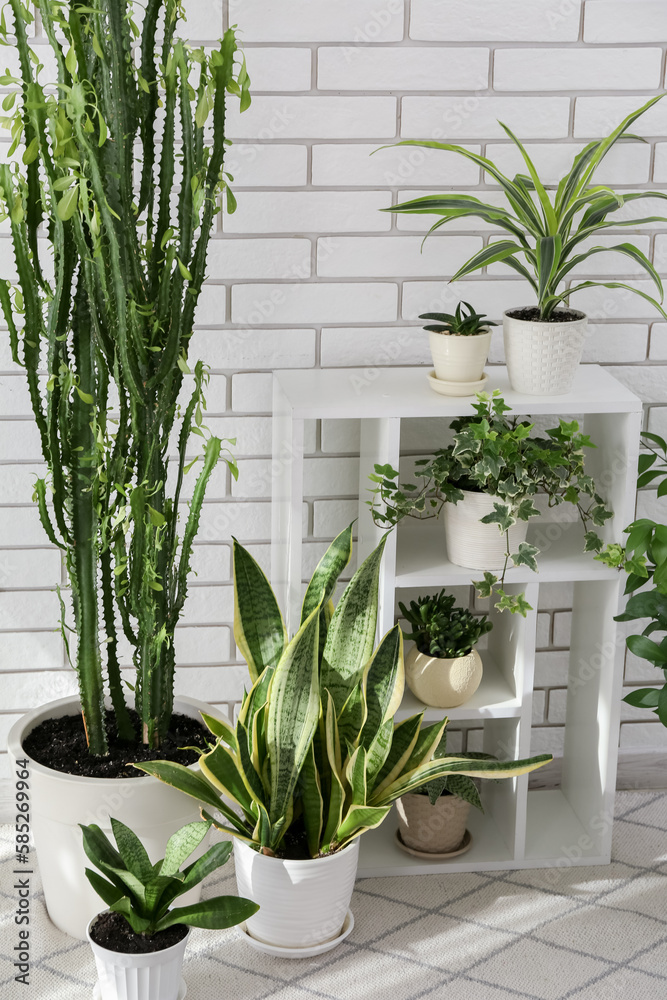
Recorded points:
(543,233)
(460,343)
(111,330)
(315,758)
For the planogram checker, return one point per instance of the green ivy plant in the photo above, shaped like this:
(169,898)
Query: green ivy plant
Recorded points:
(441,629)
(459,323)
(544,230)
(644,559)
(143,893)
(499,456)
(133,117)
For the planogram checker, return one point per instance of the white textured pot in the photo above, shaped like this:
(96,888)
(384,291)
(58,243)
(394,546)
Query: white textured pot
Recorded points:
(154,975)
(59,802)
(302,903)
(542,358)
(434,829)
(460,359)
(440,682)
(475,545)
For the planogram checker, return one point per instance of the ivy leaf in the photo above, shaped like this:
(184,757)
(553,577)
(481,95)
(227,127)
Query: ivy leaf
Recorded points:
(501,515)
(526,556)
(593,543)
(485,587)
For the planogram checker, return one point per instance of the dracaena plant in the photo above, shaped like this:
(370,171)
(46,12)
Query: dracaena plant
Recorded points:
(144,893)
(315,750)
(441,629)
(133,118)
(458,323)
(544,230)
(500,456)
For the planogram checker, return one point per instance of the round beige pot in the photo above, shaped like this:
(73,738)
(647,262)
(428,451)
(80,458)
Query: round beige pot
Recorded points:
(473,544)
(443,683)
(59,802)
(460,359)
(434,829)
(542,358)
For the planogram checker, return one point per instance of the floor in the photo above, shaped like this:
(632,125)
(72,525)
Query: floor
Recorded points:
(549,934)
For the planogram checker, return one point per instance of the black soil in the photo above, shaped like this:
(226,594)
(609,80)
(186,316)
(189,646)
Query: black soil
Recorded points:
(112,931)
(531,314)
(61,745)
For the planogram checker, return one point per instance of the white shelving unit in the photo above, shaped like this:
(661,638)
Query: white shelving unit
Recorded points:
(519,828)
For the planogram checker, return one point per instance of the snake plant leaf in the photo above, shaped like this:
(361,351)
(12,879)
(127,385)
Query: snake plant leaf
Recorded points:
(107,891)
(378,751)
(426,746)
(259,629)
(384,683)
(352,716)
(310,788)
(220,729)
(355,775)
(335,784)
(221,769)
(214,914)
(182,778)
(237,829)
(214,858)
(124,906)
(247,770)
(351,633)
(131,850)
(324,579)
(98,847)
(403,742)
(293,713)
(358,820)
(462,788)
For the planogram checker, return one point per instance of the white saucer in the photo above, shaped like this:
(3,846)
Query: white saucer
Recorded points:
(317,949)
(464,846)
(182,990)
(446,388)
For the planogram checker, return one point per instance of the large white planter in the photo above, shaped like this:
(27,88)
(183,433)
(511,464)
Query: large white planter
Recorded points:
(302,903)
(59,802)
(459,359)
(443,682)
(154,975)
(542,358)
(475,545)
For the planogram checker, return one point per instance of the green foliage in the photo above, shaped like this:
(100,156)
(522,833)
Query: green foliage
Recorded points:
(644,559)
(112,329)
(143,893)
(441,629)
(459,785)
(503,458)
(459,324)
(543,230)
(315,750)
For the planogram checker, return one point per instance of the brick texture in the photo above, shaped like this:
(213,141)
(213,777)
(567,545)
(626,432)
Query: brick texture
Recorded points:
(309,272)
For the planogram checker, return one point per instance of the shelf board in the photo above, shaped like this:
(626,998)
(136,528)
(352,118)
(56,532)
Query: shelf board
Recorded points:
(422,561)
(403,392)
(493,699)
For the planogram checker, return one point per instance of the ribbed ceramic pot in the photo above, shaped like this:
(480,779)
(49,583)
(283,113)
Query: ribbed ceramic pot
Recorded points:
(59,802)
(460,359)
(475,545)
(443,683)
(153,975)
(302,903)
(434,829)
(542,358)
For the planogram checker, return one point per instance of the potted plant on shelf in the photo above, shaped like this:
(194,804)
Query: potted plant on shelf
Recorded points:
(460,345)
(139,941)
(315,758)
(432,819)
(443,669)
(543,237)
(104,346)
(485,484)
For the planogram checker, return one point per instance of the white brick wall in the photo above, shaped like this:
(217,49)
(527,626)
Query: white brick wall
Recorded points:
(310,273)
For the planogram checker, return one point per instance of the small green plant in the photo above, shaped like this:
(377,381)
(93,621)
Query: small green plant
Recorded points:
(441,629)
(545,229)
(459,324)
(143,893)
(459,785)
(315,750)
(504,459)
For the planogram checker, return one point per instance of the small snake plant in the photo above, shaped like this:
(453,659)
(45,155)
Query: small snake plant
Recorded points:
(458,323)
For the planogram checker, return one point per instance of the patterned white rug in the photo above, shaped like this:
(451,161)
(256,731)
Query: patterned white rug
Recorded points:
(549,934)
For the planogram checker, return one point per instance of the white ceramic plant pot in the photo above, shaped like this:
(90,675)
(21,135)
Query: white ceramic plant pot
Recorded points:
(460,359)
(434,829)
(440,682)
(154,975)
(475,545)
(59,802)
(542,358)
(302,903)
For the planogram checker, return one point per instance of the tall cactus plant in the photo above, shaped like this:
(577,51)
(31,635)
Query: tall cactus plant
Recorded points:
(120,164)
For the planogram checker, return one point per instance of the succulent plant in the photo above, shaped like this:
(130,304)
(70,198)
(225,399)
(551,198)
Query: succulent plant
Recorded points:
(441,629)
(459,325)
